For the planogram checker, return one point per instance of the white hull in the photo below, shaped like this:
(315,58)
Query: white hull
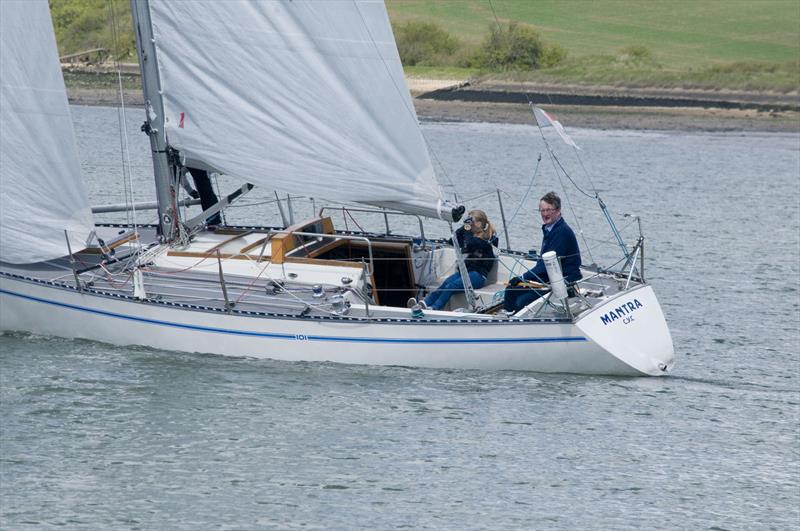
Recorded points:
(306,292)
(641,347)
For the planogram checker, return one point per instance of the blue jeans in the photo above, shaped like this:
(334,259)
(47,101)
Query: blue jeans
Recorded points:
(517,298)
(452,284)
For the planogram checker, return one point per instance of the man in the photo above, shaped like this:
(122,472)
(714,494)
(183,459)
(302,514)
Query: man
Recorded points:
(206,192)
(558,237)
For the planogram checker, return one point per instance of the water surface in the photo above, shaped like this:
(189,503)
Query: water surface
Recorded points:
(96,436)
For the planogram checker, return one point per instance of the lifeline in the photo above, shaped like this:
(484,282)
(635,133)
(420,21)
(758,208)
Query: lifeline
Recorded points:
(625,309)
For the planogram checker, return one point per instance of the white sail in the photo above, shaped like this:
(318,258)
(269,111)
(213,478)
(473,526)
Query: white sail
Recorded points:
(302,96)
(41,192)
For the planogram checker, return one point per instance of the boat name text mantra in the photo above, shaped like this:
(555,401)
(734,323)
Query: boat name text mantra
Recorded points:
(622,312)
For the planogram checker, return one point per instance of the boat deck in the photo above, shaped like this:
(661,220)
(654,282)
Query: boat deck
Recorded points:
(231,270)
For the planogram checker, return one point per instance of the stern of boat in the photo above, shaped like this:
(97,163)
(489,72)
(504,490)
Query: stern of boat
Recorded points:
(632,328)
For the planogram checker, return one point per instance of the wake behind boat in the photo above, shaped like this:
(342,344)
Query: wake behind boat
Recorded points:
(322,111)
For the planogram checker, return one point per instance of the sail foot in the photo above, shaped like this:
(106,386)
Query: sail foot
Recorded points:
(443,210)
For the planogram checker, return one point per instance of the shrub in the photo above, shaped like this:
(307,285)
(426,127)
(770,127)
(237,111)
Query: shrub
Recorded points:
(553,55)
(512,47)
(84,24)
(424,43)
(636,54)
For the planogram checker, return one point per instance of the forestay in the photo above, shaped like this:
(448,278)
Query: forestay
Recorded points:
(41,192)
(306,97)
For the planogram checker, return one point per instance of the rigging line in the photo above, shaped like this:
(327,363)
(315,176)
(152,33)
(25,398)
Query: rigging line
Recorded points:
(553,156)
(568,176)
(110,278)
(609,268)
(257,203)
(242,204)
(553,160)
(513,269)
(128,199)
(122,120)
(585,171)
(496,21)
(350,214)
(530,187)
(222,215)
(603,208)
(247,289)
(602,204)
(410,110)
(471,199)
(177,271)
(602,242)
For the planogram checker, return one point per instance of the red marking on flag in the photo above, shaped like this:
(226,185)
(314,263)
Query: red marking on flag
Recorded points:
(180,124)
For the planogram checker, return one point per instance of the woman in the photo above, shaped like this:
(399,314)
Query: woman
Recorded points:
(477,239)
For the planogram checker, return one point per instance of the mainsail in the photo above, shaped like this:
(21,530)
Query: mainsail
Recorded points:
(41,192)
(305,97)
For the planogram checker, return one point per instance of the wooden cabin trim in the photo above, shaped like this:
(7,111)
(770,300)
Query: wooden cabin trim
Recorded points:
(332,244)
(322,262)
(285,242)
(257,243)
(113,245)
(229,231)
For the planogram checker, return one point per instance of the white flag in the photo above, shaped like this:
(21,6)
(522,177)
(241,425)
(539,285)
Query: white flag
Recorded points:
(545,120)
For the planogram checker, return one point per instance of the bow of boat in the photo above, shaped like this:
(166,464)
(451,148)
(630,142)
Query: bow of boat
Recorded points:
(631,327)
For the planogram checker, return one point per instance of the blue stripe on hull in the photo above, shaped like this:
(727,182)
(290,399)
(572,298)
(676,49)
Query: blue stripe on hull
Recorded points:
(340,339)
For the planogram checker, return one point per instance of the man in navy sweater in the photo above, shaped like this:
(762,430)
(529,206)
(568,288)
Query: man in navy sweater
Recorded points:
(558,237)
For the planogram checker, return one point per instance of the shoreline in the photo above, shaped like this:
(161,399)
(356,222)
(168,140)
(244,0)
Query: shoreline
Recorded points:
(606,107)
(686,119)
(673,118)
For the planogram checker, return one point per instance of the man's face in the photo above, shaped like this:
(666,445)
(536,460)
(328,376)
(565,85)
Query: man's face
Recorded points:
(549,213)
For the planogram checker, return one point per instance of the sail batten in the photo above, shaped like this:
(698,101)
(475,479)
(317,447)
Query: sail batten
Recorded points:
(42,195)
(304,97)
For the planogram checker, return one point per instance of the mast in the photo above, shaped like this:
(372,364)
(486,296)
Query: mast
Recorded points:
(154,121)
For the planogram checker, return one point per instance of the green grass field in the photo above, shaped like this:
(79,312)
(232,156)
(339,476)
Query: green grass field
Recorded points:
(680,33)
(729,44)
(715,44)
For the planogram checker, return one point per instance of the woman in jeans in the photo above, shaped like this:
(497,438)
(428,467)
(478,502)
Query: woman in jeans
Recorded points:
(477,239)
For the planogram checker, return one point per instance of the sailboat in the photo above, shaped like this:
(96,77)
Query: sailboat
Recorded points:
(301,97)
